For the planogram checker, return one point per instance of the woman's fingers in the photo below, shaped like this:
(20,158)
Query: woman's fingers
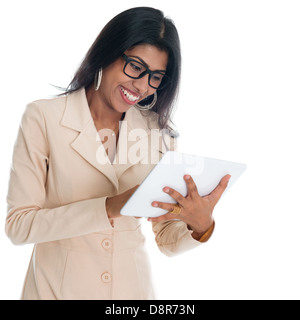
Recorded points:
(163,205)
(191,186)
(179,198)
(196,211)
(216,194)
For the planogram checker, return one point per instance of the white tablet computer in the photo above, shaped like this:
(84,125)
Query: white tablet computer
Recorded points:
(169,171)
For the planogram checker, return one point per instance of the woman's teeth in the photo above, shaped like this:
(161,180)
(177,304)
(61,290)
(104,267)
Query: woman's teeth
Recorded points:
(129,96)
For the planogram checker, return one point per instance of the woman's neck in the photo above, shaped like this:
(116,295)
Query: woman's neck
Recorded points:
(103,115)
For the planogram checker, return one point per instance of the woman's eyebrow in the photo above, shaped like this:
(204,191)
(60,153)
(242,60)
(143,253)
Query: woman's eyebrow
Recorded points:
(143,62)
(140,60)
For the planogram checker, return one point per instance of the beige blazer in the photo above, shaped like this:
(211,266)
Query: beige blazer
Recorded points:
(56,199)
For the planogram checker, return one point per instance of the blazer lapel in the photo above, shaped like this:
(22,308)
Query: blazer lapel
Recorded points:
(140,140)
(77,116)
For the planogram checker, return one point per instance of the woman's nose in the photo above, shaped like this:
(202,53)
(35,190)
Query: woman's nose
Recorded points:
(141,85)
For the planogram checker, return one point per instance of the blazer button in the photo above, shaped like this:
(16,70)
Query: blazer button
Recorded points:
(106,244)
(106,277)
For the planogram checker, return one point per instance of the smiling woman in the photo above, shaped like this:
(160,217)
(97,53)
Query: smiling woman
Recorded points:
(132,28)
(119,91)
(67,202)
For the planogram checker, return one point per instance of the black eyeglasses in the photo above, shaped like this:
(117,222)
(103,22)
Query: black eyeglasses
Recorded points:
(137,70)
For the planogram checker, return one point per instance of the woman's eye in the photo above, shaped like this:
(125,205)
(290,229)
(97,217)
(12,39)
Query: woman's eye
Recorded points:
(135,67)
(157,78)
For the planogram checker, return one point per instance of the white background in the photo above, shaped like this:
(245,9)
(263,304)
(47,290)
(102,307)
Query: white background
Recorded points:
(238,102)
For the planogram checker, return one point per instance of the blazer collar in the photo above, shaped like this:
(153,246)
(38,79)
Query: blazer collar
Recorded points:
(77,112)
(77,116)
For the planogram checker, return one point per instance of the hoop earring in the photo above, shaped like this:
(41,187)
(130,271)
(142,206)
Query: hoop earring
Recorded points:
(98,78)
(149,106)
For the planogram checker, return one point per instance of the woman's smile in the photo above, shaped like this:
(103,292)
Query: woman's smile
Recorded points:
(128,96)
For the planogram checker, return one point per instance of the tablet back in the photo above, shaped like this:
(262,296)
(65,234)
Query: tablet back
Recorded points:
(170,170)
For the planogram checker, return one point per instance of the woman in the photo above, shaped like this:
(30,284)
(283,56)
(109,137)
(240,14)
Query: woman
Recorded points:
(75,165)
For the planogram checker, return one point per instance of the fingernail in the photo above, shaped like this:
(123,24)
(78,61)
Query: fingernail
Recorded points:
(155,204)
(167,190)
(187,177)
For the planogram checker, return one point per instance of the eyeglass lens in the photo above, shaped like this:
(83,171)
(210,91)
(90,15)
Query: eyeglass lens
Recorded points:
(134,69)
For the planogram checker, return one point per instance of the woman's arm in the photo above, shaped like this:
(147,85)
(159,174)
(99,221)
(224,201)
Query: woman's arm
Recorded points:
(28,221)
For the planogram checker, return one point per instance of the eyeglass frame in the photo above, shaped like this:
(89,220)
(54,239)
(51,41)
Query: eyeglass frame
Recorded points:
(147,71)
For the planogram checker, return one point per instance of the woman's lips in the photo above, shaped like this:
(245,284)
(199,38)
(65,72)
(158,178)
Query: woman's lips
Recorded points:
(128,96)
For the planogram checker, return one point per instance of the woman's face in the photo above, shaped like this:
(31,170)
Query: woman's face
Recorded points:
(120,92)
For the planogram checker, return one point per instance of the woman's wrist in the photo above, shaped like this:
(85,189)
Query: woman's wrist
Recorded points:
(203,236)
(197,236)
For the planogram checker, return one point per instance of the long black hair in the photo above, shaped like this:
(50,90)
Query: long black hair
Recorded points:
(141,25)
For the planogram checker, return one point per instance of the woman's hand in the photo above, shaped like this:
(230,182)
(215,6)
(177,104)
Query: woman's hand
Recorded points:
(196,211)
(116,203)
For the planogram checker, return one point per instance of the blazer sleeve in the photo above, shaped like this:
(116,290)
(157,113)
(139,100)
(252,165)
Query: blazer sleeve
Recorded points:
(173,236)
(28,221)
